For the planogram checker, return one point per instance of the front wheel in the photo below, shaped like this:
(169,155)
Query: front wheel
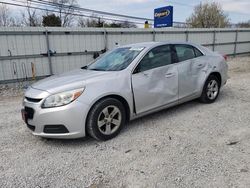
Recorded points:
(211,90)
(106,119)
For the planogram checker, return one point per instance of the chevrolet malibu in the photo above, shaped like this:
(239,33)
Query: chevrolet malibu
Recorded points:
(126,83)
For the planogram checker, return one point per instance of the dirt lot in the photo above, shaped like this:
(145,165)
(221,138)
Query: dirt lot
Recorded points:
(191,145)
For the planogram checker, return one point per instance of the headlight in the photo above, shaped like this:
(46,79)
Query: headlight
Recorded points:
(61,99)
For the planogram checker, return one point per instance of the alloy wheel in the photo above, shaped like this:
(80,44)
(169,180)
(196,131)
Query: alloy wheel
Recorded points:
(109,120)
(212,89)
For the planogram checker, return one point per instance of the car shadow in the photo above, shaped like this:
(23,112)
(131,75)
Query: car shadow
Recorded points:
(165,113)
(162,114)
(68,142)
(175,110)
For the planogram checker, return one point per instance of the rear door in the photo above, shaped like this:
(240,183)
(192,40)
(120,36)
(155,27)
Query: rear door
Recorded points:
(155,80)
(190,65)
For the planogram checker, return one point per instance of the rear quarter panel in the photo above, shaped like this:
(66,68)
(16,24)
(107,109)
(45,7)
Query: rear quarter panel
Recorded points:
(215,63)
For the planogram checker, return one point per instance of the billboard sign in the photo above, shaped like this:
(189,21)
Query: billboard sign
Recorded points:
(163,17)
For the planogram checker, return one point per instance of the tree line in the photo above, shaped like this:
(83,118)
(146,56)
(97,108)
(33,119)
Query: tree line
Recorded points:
(205,15)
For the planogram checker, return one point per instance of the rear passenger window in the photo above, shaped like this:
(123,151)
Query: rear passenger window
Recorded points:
(185,52)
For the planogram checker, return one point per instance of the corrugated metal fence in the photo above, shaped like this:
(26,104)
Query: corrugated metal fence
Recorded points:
(56,50)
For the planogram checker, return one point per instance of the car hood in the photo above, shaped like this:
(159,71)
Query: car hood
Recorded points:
(70,80)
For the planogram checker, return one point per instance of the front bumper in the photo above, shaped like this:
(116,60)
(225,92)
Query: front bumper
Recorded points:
(72,117)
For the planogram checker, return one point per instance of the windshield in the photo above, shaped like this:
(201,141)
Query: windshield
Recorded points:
(116,60)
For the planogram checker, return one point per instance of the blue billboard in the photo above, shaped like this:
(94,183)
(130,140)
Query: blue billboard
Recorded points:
(163,17)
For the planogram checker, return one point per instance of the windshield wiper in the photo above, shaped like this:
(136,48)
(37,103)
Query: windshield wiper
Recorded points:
(84,67)
(97,69)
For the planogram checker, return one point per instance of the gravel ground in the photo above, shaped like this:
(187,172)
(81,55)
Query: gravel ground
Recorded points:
(191,145)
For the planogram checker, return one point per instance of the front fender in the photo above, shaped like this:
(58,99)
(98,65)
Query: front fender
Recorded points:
(119,86)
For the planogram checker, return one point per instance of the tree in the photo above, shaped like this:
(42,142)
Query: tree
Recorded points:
(121,24)
(81,22)
(244,24)
(51,20)
(6,19)
(91,22)
(127,24)
(30,17)
(94,22)
(208,15)
(66,8)
(114,25)
(4,15)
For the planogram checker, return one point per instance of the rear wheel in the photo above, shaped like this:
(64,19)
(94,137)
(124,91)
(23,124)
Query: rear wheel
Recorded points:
(211,90)
(106,119)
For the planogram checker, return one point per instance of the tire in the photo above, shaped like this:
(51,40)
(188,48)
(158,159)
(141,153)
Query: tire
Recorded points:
(211,90)
(106,119)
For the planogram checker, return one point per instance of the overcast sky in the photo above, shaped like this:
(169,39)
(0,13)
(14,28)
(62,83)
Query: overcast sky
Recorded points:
(238,10)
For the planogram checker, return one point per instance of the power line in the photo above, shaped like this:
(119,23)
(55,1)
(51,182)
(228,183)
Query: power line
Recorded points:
(44,2)
(63,12)
(89,10)
(85,10)
(181,4)
(55,5)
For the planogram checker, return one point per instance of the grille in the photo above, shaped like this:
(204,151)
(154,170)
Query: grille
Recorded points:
(33,100)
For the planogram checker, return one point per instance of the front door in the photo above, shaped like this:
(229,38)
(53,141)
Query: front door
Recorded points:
(155,80)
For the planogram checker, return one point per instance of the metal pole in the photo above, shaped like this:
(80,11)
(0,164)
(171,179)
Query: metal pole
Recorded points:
(154,33)
(186,32)
(214,39)
(105,40)
(48,52)
(235,43)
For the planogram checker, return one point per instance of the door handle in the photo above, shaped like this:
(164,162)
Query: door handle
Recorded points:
(168,75)
(200,65)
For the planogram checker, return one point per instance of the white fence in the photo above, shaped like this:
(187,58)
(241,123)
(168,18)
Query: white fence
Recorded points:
(56,50)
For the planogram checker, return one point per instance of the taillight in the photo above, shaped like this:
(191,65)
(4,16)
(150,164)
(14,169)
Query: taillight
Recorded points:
(225,57)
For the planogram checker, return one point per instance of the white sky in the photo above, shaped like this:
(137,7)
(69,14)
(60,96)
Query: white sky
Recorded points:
(238,10)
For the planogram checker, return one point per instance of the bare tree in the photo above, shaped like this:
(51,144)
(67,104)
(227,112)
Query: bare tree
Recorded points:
(4,15)
(81,22)
(15,22)
(6,18)
(99,22)
(66,8)
(91,22)
(31,17)
(121,24)
(244,24)
(127,24)
(208,15)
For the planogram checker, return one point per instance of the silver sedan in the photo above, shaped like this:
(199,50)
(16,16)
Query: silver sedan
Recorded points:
(123,84)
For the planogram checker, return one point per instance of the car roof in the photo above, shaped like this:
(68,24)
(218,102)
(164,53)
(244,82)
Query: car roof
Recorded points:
(154,44)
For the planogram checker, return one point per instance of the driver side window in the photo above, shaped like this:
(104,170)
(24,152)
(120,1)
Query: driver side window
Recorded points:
(157,57)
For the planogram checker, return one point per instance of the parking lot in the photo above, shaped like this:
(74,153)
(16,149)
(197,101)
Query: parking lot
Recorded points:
(191,145)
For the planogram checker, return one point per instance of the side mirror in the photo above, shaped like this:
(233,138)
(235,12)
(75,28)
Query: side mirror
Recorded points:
(96,55)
